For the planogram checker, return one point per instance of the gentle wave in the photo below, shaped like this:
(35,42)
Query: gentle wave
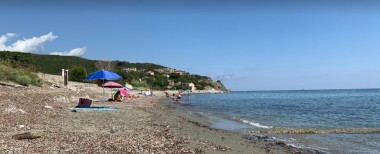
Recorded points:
(255,124)
(316,131)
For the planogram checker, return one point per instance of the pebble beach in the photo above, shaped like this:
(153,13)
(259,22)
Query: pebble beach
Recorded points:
(151,124)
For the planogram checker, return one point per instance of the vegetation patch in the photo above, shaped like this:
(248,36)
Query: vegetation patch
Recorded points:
(19,76)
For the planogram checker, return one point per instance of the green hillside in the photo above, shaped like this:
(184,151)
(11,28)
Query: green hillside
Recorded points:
(145,75)
(52,64)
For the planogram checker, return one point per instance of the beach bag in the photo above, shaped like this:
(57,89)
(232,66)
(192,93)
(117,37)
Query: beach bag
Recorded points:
(84,103)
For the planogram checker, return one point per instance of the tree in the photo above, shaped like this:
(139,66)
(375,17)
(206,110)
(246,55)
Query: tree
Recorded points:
(174,76)
(77,73)
(161,81)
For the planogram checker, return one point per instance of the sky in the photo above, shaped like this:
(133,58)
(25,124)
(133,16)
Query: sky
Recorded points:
(248,45)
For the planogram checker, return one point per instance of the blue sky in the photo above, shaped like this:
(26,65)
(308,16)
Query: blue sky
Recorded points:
(248,45)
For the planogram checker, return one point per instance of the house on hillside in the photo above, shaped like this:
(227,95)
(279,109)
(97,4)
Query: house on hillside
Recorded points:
(130,69)
(150,73)
(170,70)
(165,70)
(171,82)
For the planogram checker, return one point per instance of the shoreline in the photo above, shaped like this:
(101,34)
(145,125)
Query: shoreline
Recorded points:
(151,124)
(201,128)
(201,136)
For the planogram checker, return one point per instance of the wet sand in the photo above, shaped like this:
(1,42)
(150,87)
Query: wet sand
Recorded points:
(146,125)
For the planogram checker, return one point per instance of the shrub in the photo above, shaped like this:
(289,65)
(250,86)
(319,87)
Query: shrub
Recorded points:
(13,75)
(78,74)
(138,83)
(3,70)
(35,80)
(19,76)
(23,80)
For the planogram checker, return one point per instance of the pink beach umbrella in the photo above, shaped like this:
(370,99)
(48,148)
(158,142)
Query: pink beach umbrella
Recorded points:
(112,85)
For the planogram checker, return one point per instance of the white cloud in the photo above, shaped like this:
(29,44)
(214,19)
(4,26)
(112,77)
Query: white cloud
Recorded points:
(26,45)
(4,39)
(35,44)
(73,52)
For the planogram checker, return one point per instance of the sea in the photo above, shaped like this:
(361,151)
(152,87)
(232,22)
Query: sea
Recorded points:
(318,110)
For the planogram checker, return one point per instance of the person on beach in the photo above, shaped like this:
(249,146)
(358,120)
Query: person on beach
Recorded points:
(175,98)
(178,95)
(134,97)
(118,96)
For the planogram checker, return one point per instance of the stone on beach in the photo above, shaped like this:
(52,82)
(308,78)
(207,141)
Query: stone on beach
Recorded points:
(26,135)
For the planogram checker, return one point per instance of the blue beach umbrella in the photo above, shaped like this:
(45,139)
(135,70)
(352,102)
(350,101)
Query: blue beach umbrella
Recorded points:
(103,75)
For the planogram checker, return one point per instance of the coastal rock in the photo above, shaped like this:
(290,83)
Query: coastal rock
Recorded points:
(26,135)
(11,85)
(256,137)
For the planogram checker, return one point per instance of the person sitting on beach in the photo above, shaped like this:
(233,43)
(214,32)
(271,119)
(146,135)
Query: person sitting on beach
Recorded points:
(167,94)
(118,96)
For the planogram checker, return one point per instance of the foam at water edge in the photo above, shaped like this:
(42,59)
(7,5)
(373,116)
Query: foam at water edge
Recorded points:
(255,124)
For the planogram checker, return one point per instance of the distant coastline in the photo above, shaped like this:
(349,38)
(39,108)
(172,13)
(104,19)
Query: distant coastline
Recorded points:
(307,89)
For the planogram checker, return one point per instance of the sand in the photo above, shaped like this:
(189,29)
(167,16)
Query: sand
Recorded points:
(147,125)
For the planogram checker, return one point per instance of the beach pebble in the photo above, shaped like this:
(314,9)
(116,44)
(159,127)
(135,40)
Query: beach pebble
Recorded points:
(114,130)
(69,149)
(61,99)
(22,111)
(13,109)
(48,107)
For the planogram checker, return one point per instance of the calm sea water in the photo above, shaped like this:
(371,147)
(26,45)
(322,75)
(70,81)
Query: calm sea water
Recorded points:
(303,109)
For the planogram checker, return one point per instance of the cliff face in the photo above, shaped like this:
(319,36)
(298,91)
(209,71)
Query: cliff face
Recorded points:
(220,86)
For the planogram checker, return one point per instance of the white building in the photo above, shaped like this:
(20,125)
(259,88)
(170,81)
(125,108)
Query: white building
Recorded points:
(192,85)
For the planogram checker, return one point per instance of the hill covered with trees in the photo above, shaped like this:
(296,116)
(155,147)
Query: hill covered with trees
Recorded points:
(145,75)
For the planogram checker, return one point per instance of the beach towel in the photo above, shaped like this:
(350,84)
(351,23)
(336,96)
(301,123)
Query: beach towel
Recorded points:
(95,108)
